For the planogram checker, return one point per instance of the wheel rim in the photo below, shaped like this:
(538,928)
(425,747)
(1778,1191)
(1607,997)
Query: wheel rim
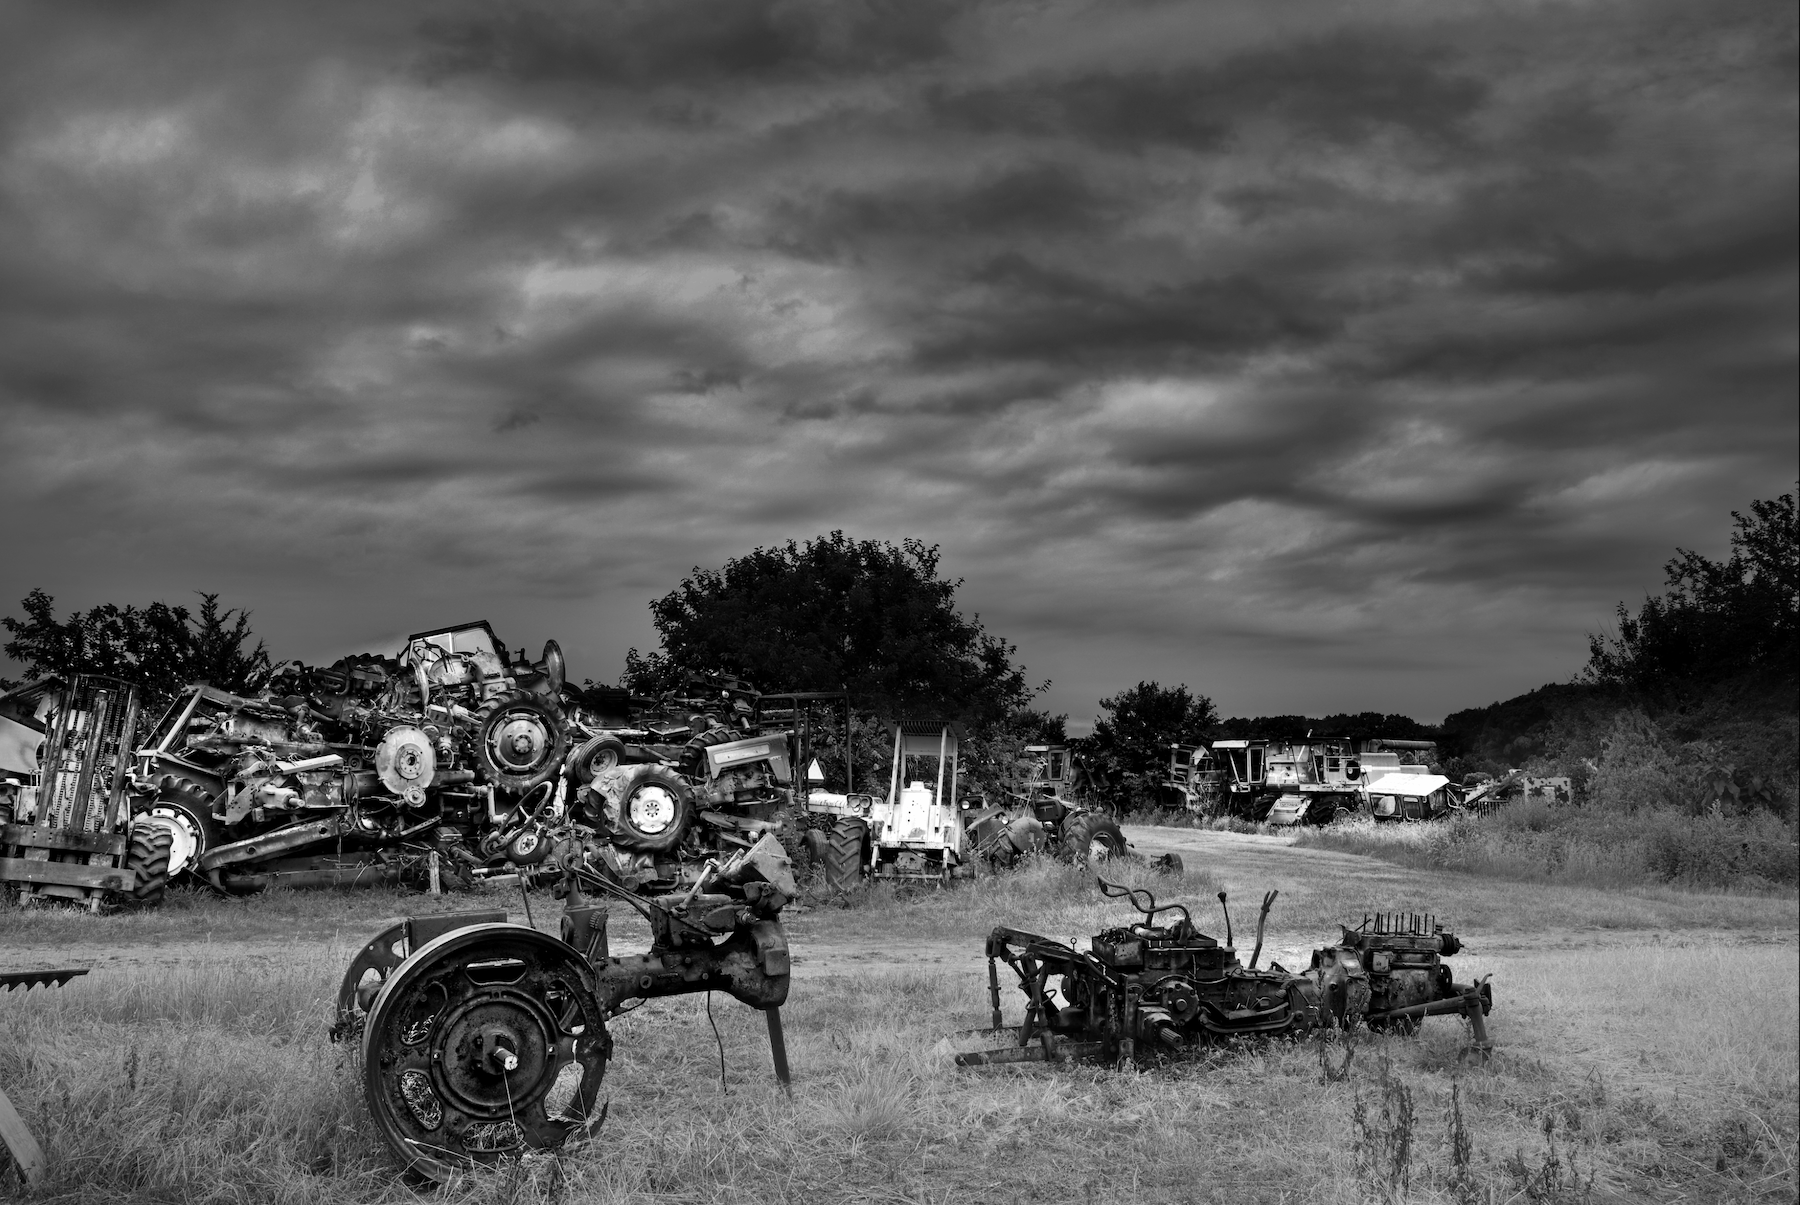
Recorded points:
(603,759)
(1099,849)
(652,809)
(488,1041)
(519,742)
(187,838)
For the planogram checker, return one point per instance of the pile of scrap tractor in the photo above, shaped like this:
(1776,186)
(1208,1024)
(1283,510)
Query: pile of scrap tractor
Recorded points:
(458,760)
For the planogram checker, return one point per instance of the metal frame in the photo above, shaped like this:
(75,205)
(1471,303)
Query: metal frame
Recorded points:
(75,843)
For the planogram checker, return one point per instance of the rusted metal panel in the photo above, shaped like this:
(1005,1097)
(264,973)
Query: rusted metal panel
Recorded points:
(67,874)
(36,837)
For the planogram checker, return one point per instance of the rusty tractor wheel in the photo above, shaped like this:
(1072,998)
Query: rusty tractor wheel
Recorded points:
(593,756)
(486,1043)
(521,742)
(655,811)
(846,852)
(183,807)
(1091,838)
(529,848)
(148,856)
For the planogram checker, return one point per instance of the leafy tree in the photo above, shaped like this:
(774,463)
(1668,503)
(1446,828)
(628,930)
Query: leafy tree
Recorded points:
(160,647)
(1341,726)
(649,676)
(836,613)
(1717,618)
(1129,749)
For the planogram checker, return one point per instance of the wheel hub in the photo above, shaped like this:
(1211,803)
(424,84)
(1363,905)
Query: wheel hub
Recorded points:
(494,1053)
(185,841)
(520,744)
(652,810)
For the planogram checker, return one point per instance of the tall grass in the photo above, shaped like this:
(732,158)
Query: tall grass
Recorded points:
(1664,1071)
(1589,846)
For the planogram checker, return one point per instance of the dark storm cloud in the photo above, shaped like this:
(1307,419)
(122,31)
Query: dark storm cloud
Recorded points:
(658,42)
(1260,348)
(1341,88)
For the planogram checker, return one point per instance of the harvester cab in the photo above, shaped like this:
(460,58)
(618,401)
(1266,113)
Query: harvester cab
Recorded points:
(1193,781)
(1244,775)
(1313,782)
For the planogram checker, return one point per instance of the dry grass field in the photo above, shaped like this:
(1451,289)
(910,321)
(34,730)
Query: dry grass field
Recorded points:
(1647,1051)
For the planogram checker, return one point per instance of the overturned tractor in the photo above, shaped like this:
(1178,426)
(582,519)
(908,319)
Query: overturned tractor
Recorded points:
(1044,808)
(1144,991)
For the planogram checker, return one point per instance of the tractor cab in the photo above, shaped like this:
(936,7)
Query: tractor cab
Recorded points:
(469,664)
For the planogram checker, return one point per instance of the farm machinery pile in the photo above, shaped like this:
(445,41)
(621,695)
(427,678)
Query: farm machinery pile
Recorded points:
(364,771)
(1144,990)
(438,765)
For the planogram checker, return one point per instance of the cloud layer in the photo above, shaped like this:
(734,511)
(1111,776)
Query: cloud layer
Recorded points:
(1321,358)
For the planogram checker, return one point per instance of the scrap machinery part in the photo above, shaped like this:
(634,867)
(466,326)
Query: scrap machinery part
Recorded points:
(482,1040)
(1142,990)
(1402,954)
(1145,990)
(68,837)
(1091,838)
(522,741)
(15,1138)
(466,1042)
(1046,808)
(594,755)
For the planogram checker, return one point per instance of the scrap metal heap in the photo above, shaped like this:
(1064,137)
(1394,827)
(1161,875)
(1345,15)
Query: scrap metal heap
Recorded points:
(358,771)
(1146,990)
(468,1024)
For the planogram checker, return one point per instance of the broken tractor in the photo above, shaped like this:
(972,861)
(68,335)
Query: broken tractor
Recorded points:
(482,1039)
(1147,990)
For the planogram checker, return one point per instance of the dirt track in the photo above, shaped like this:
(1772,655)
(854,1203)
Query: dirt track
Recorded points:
(824,944)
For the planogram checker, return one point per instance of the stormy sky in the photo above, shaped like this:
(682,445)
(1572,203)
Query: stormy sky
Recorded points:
(1321,357)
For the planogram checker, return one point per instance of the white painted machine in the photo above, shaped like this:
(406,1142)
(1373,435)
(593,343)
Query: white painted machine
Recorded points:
(914,833)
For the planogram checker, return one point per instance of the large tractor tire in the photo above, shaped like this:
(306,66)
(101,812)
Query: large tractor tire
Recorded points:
(1091,837)
(846,847)
(595,755)
(521,742)
(148,857)
(184,808)
(655,811)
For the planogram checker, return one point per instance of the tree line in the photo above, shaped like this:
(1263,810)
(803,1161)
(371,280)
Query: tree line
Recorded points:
(880,621)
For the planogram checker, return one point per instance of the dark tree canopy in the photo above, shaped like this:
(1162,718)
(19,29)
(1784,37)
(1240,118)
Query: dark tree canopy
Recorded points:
(159,647)
(1129,749)
(1342,726)
(1717,619)
(833,612)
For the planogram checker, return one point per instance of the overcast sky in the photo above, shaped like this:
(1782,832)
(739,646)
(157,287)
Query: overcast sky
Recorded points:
(1321,357)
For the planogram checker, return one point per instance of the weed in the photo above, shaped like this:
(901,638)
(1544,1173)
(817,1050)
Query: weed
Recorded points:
(1384,1139)
(1461,1182)
(1555,1180)
(1341,1072)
